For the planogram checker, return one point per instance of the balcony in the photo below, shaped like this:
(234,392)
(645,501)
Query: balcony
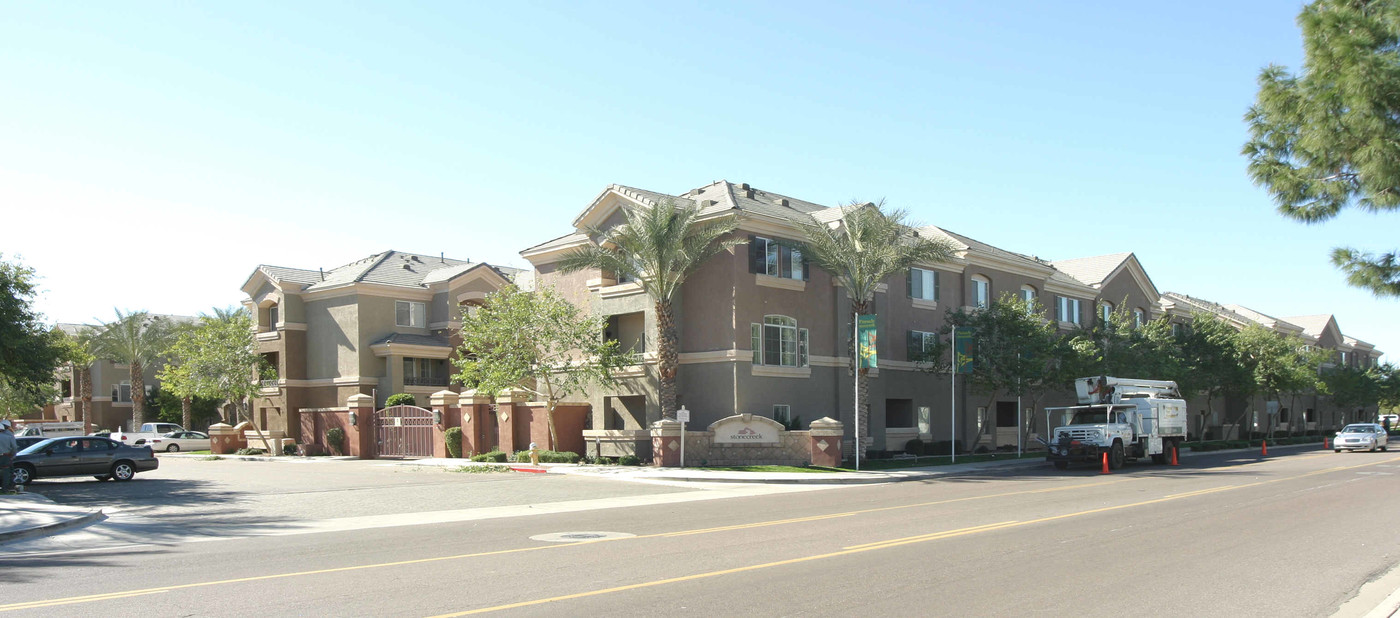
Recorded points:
(416,381)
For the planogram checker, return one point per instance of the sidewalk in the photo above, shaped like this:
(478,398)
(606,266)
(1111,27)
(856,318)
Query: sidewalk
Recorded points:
(701,475)
(29,515)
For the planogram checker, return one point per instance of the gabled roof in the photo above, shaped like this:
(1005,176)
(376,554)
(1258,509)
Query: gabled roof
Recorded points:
(1205,306)
(1267,320)
(1314,325)
(1092,270)
(395,268)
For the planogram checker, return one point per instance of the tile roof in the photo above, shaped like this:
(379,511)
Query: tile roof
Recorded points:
(1092,270)
(1312,324)
(396,268)
(1263,318)
(1200,304)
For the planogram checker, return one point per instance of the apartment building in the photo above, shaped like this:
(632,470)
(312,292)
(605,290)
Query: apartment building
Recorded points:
(111,387)
(377,326)
(763,332)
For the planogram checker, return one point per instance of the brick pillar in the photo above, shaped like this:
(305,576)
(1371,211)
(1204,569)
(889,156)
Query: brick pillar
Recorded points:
(826,434)
(666,443)
(221,439)
(359,434)
(476,423)
(444,404)
(506,418)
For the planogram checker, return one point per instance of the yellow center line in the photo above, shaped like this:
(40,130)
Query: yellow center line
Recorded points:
(131,593)
(883,545)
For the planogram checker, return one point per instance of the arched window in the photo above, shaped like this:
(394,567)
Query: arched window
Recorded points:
(981,291)
(779,342)
(1029,295)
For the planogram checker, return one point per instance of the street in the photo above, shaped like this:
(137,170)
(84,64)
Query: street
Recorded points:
(1294,534)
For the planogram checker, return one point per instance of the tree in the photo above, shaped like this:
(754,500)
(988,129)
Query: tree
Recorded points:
(538,342)
(1210,365)
(870,244)
(80,351)
(1349,387)
(29,351)
(659,248)
(218,360)
(167,407)
(135,339)
(1328,138)
(1278,367)
(1014,351)
(15,403)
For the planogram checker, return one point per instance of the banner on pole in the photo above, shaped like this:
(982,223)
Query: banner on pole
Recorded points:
(963,350)
(865,342)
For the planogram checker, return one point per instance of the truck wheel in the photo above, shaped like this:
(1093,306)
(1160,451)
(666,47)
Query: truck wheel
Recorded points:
(1115,456)
(1061,465)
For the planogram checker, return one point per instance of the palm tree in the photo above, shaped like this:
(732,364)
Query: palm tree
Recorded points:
(82,355)
(136,339)
(870,244)
(659,247)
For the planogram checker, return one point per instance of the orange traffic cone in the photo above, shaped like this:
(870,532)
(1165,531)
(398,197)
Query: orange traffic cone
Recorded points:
(1105,463)
(1264,448)
(1325,444)
(1174,462)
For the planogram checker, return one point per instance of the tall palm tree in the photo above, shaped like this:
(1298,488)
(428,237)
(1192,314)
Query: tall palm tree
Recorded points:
(82,355)
(136,339)
(869,245)
(659,247)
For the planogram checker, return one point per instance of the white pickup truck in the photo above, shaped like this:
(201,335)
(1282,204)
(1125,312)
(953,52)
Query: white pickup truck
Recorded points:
(148,431)
(50,430)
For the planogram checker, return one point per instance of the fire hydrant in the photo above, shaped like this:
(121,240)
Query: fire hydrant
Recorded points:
(534,454)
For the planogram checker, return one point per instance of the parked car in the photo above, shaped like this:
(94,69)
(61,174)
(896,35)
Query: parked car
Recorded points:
(180,441)
(1361,436)
(102,458)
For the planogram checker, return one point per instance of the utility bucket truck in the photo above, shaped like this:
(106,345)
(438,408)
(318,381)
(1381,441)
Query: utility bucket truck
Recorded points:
(1124,418)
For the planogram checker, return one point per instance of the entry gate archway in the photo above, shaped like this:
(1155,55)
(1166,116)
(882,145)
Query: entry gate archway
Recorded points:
(404,431)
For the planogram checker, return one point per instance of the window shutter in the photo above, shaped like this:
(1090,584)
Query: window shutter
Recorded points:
(915,345)
(757,255)
(756,342)
(909,282)
(801,347)
(935,285)
(806,268)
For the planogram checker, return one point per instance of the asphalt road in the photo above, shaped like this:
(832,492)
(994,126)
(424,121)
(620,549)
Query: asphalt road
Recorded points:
(1292,535)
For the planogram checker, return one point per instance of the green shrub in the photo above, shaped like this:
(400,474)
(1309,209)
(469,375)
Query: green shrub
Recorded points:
(289,449)
(335,438)
(211,458)
(598,461)
(453,438)
(629,460)
(914,447)
(480,469)
(250,451)
(496,456)
(400,399)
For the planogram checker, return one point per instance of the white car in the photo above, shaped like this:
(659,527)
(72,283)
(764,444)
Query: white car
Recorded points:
(1361,436)
(180,441)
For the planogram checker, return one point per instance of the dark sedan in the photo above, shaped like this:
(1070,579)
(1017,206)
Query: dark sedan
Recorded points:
(101,458)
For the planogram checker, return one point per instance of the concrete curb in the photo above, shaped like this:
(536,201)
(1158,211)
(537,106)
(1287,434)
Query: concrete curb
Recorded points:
(49,529)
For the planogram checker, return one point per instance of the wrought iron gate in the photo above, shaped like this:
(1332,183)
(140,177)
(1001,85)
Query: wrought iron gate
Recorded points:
(404,431)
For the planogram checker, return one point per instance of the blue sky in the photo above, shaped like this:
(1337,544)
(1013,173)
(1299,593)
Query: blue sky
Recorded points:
(151,155)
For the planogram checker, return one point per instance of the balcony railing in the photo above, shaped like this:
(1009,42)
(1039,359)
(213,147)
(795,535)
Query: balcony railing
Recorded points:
(425,381)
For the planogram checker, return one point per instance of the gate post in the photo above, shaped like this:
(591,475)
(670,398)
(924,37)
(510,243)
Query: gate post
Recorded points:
(476,422)
(666,443)
(825,435)
(359,435)
(444,403)
(507,415)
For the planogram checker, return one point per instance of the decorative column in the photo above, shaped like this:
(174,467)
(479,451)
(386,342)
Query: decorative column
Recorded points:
(221,439)
(359,434)
(507,415)
(666,443)
(444,405)
(477,423)
(825,434)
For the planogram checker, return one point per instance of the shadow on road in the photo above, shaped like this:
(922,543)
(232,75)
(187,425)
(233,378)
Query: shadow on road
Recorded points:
(1217,464)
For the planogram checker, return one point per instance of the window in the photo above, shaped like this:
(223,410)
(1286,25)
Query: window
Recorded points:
(272,316)
(1178,330)
(423,372)
(779,342)
(1028,294)
(1105,312)
(767,257)
(1139,317)
(923,284)
(981,291)
(626,278)
(921,343)
(1068,310)
(1344,358)
(121,393)
(783,414)
(407,313)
